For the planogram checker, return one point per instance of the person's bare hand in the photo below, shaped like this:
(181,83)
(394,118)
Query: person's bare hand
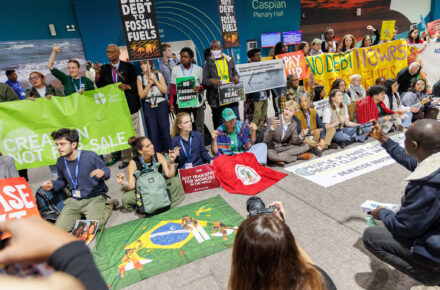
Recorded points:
(98,173)
(172,109)
(371,28)
(214,135)
(426,100)
(276,122)
(47,185)
(177,151)
(414,109)
(304,133)
(80,91)
(377,132)
(253,127)
(235,80)
(33,240)
(56,49)
(387,118)
(375,213)
(124,87)
(215,82)
(31,98)
(48,97)
(196,89)
(121,178)
(280,208)
(172,155)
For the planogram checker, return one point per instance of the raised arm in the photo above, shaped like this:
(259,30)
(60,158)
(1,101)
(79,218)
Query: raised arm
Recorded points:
(55,51)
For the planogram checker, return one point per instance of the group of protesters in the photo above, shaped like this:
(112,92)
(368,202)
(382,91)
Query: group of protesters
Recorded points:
(295,132)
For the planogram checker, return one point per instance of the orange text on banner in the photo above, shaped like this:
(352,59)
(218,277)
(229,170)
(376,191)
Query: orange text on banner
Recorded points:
(295,63)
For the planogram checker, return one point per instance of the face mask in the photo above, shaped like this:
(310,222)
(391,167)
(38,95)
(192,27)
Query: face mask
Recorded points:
(216,53)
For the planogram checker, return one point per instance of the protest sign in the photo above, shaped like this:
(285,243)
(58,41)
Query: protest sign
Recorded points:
(261,76)
(320,106)
(341,166)
(198,178)
(434,27)
(140,28)
(428,55)
(16,200)
(85,230)
(228,22)
(383,60)
(186,96)
(101,117)
(230,93)
(295,63)
(423,22)
(387,30)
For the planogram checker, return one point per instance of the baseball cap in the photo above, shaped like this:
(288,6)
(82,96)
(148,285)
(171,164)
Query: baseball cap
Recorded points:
(228,114)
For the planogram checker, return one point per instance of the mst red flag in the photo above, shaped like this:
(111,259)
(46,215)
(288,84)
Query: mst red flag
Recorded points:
(243,174)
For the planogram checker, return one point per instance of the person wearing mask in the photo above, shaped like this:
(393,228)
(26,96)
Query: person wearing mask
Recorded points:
(219,69)
(312,130)
(348,43)
(393,102)
(266,256)
(329,45)
(408,241)
(73,83)
(192,149)
(118,71)
(367,40)
(152,89)
(418,97)
(282,139)
(407,75)
(40,89)
(187,69)
(235,137)
(147,158)
(316,47)
(15,84)
(336,116)
(7,93)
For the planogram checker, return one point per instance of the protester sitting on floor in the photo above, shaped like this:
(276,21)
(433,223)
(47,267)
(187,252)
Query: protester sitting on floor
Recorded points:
(372,107)
(83,174)
(319,94)
(348,43)
(340,85)
(146,157)
(234,137)
(7,167)
(355,90)
(317,137)
(336,116)
(407,75)
(282,139)
(35,240)
(74,83)
(366,41)
(380,81)
(192,149)
(418,97)
(393,102)
(292,92)
(409,240)
(40,89)
(266,256)
(316,47)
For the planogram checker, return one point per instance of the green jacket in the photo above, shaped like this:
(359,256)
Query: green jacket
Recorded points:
(50,91)
(7,94)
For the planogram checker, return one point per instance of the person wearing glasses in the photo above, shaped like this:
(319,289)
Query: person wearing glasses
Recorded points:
(40,89)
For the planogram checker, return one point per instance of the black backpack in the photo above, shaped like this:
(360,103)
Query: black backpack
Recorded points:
(47,209)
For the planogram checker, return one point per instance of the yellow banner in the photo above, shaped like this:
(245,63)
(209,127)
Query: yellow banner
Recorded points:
(383,60)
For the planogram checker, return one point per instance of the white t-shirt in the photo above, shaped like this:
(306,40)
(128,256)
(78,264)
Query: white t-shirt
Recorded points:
(42,91)
(155,91)
(327,115)
(178,73)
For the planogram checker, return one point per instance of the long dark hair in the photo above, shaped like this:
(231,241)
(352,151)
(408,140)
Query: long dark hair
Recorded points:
(365,38)
(279,48)
(412,86)
(330,100)
(136,144)
(265,256)
(409,37)
(336,84)
(388,85)
(318,91)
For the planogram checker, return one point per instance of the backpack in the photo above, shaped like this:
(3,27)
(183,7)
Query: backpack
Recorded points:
(46,206)
(151,191)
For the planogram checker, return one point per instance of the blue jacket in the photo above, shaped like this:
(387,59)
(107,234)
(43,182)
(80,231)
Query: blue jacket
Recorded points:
(419,216)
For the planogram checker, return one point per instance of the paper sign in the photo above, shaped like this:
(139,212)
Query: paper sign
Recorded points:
(434,27)
(295,63)
(16,200)
(387,30)
(85,230)
(370,205)
(230,93)
(198,178)
(186,96)
(320,106)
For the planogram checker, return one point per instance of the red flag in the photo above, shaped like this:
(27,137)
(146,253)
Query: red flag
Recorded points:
(243,174)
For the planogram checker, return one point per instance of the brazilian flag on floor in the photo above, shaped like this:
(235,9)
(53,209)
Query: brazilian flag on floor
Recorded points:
(142,248)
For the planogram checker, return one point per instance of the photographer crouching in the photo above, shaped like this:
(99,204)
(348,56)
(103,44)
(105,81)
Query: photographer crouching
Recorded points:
(410,240)
(266,256)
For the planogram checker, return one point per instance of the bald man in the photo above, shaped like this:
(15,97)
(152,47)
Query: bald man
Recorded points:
(407,75)
(410,240)
(118,71)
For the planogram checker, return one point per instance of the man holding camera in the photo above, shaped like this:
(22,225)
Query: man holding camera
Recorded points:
(410,240)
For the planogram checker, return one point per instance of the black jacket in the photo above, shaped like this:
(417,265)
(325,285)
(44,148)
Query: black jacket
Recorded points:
(404,79)
(50,90)
(127,75)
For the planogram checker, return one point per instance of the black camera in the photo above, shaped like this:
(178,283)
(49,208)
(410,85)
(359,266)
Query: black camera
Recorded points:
(256,206)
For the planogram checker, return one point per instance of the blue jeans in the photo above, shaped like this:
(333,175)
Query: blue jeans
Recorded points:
(346,134)
(158,125)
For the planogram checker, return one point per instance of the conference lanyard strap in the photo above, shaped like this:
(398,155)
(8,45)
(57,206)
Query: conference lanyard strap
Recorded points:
(183,71)
(184,150)
(76,89)
(74,182)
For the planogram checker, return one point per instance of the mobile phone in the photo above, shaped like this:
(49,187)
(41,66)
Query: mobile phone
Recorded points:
(364,128)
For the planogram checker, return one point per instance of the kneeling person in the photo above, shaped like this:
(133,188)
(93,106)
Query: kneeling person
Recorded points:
(83,173)
(282,139)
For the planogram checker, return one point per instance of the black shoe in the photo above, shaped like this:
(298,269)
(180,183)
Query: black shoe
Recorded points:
(333,146)
(114,203)
(353,140)
(316,151)
(123,165)
(343,144)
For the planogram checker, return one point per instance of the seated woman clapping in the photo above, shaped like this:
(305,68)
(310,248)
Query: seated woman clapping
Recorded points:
(417,97)
(192,149)
(146,157)
(336,116)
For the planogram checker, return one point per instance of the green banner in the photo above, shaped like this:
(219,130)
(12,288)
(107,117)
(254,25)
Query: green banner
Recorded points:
(139,249)
(186,96)
(101,117)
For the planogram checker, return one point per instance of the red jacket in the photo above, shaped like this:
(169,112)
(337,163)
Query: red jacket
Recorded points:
(366,110)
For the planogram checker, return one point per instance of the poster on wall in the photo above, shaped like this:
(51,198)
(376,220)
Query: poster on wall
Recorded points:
(140,29)
(228,21)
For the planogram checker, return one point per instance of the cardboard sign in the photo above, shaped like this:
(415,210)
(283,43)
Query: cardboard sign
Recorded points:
(198,178)
(16,200)
(295,63)
(231,93)
(186,96)
(140,28)
(434,27)
(387,30)
(228,21)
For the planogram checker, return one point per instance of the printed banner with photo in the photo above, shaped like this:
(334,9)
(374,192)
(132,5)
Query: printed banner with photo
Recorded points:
(228,22)
(186,96)
(341,166)
(198,178)
(85,230)
(387,30)
(261,76)
(101,117)
(140,28)
(145,247)
(428,55)
(231,93)
(295,63)
(383,60)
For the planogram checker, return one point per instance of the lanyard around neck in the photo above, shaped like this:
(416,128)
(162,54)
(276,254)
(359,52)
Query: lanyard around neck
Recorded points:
(76,89)
(74,182)
(183,70)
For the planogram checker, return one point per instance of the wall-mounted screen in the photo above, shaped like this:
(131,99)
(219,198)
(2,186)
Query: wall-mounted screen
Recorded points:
(270,39)
(292,37)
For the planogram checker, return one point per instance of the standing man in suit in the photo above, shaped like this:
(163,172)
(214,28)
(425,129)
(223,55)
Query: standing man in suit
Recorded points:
(123,72)
(284,144)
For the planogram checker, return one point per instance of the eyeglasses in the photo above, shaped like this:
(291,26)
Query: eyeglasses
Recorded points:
(34,78)
(62,144)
